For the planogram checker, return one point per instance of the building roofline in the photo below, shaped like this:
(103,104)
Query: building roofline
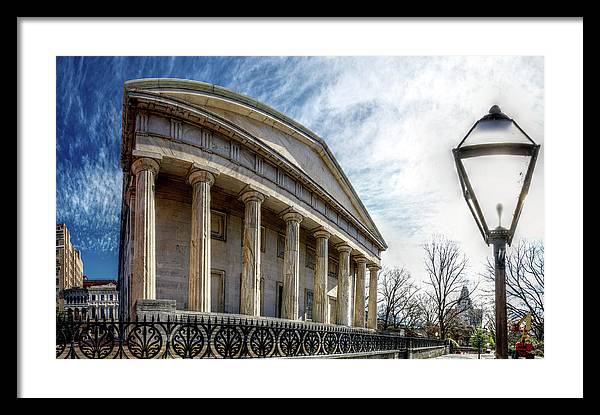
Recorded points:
(194,86)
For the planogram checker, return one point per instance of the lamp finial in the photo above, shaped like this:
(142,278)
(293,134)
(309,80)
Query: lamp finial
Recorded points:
(499,210)
(495,110)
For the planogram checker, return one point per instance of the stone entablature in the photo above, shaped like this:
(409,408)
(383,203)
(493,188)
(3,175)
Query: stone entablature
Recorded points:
(221,142)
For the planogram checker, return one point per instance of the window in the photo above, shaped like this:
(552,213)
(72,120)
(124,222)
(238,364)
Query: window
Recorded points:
(263,239)
(218,225)
(93,297)
(110,297)
(102,297)
(217,287)
(279,300)
(308,305)
(280,245)
(310,258)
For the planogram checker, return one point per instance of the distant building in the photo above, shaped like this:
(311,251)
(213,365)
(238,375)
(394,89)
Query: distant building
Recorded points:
(76,302)
(69,265)
(103,298)
(467,314)
(96,299)
(468,318)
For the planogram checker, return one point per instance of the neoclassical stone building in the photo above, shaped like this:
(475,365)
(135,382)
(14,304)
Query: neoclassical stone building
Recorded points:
(97,299)
(230,206)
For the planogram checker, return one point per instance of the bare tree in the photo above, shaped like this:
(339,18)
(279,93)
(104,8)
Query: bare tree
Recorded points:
(427,309)
(524,283)
(427,315)
(445,264)
(488,316)
(412,314)
(396,303)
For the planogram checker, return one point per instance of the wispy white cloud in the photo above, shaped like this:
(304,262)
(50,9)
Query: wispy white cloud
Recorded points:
(390,121)
(88,191)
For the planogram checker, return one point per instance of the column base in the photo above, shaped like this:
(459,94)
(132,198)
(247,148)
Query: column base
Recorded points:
(154,308)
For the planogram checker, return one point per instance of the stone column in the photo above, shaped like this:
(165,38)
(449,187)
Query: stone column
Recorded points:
(291,266)
(199,271)
(125,284)
(250,284)
(143,285)
(343,288)
(320,314)
(373,269)
(359,295)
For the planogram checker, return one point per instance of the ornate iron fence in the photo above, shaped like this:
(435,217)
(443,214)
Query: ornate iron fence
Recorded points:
(218,337)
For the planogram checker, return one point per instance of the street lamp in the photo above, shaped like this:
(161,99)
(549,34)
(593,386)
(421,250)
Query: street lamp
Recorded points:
(498,162)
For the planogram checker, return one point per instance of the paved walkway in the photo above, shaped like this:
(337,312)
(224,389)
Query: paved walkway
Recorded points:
(472,356)
(467,356)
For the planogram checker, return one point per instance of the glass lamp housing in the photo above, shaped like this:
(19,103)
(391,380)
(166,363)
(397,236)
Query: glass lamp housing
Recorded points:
(495,163)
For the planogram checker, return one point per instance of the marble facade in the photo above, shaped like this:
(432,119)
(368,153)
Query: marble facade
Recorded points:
(230,206)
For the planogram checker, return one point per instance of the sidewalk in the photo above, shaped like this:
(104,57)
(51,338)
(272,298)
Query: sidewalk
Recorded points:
(473,356)
(466,356)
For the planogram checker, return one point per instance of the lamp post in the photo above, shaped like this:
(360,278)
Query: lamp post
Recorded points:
(497,144)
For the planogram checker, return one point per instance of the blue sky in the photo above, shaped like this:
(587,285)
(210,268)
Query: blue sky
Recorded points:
(390,121)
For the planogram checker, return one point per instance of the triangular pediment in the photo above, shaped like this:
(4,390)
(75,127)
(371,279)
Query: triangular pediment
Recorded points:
(286,138)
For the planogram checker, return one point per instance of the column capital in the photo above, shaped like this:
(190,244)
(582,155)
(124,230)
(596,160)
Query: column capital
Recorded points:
(198,172)
(250,195)
(291,215)
(322,233)
(145,163)
(373,267)
(197,176)
(360,259)
(343,247)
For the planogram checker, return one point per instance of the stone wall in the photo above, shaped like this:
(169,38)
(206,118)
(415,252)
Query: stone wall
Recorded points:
(427,352)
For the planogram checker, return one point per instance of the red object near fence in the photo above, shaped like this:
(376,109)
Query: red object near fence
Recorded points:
(524,349)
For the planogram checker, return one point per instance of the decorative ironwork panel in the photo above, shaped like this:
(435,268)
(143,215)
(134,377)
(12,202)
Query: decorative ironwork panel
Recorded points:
(219,337)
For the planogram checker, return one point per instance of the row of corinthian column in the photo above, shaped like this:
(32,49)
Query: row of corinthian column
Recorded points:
(143,284)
